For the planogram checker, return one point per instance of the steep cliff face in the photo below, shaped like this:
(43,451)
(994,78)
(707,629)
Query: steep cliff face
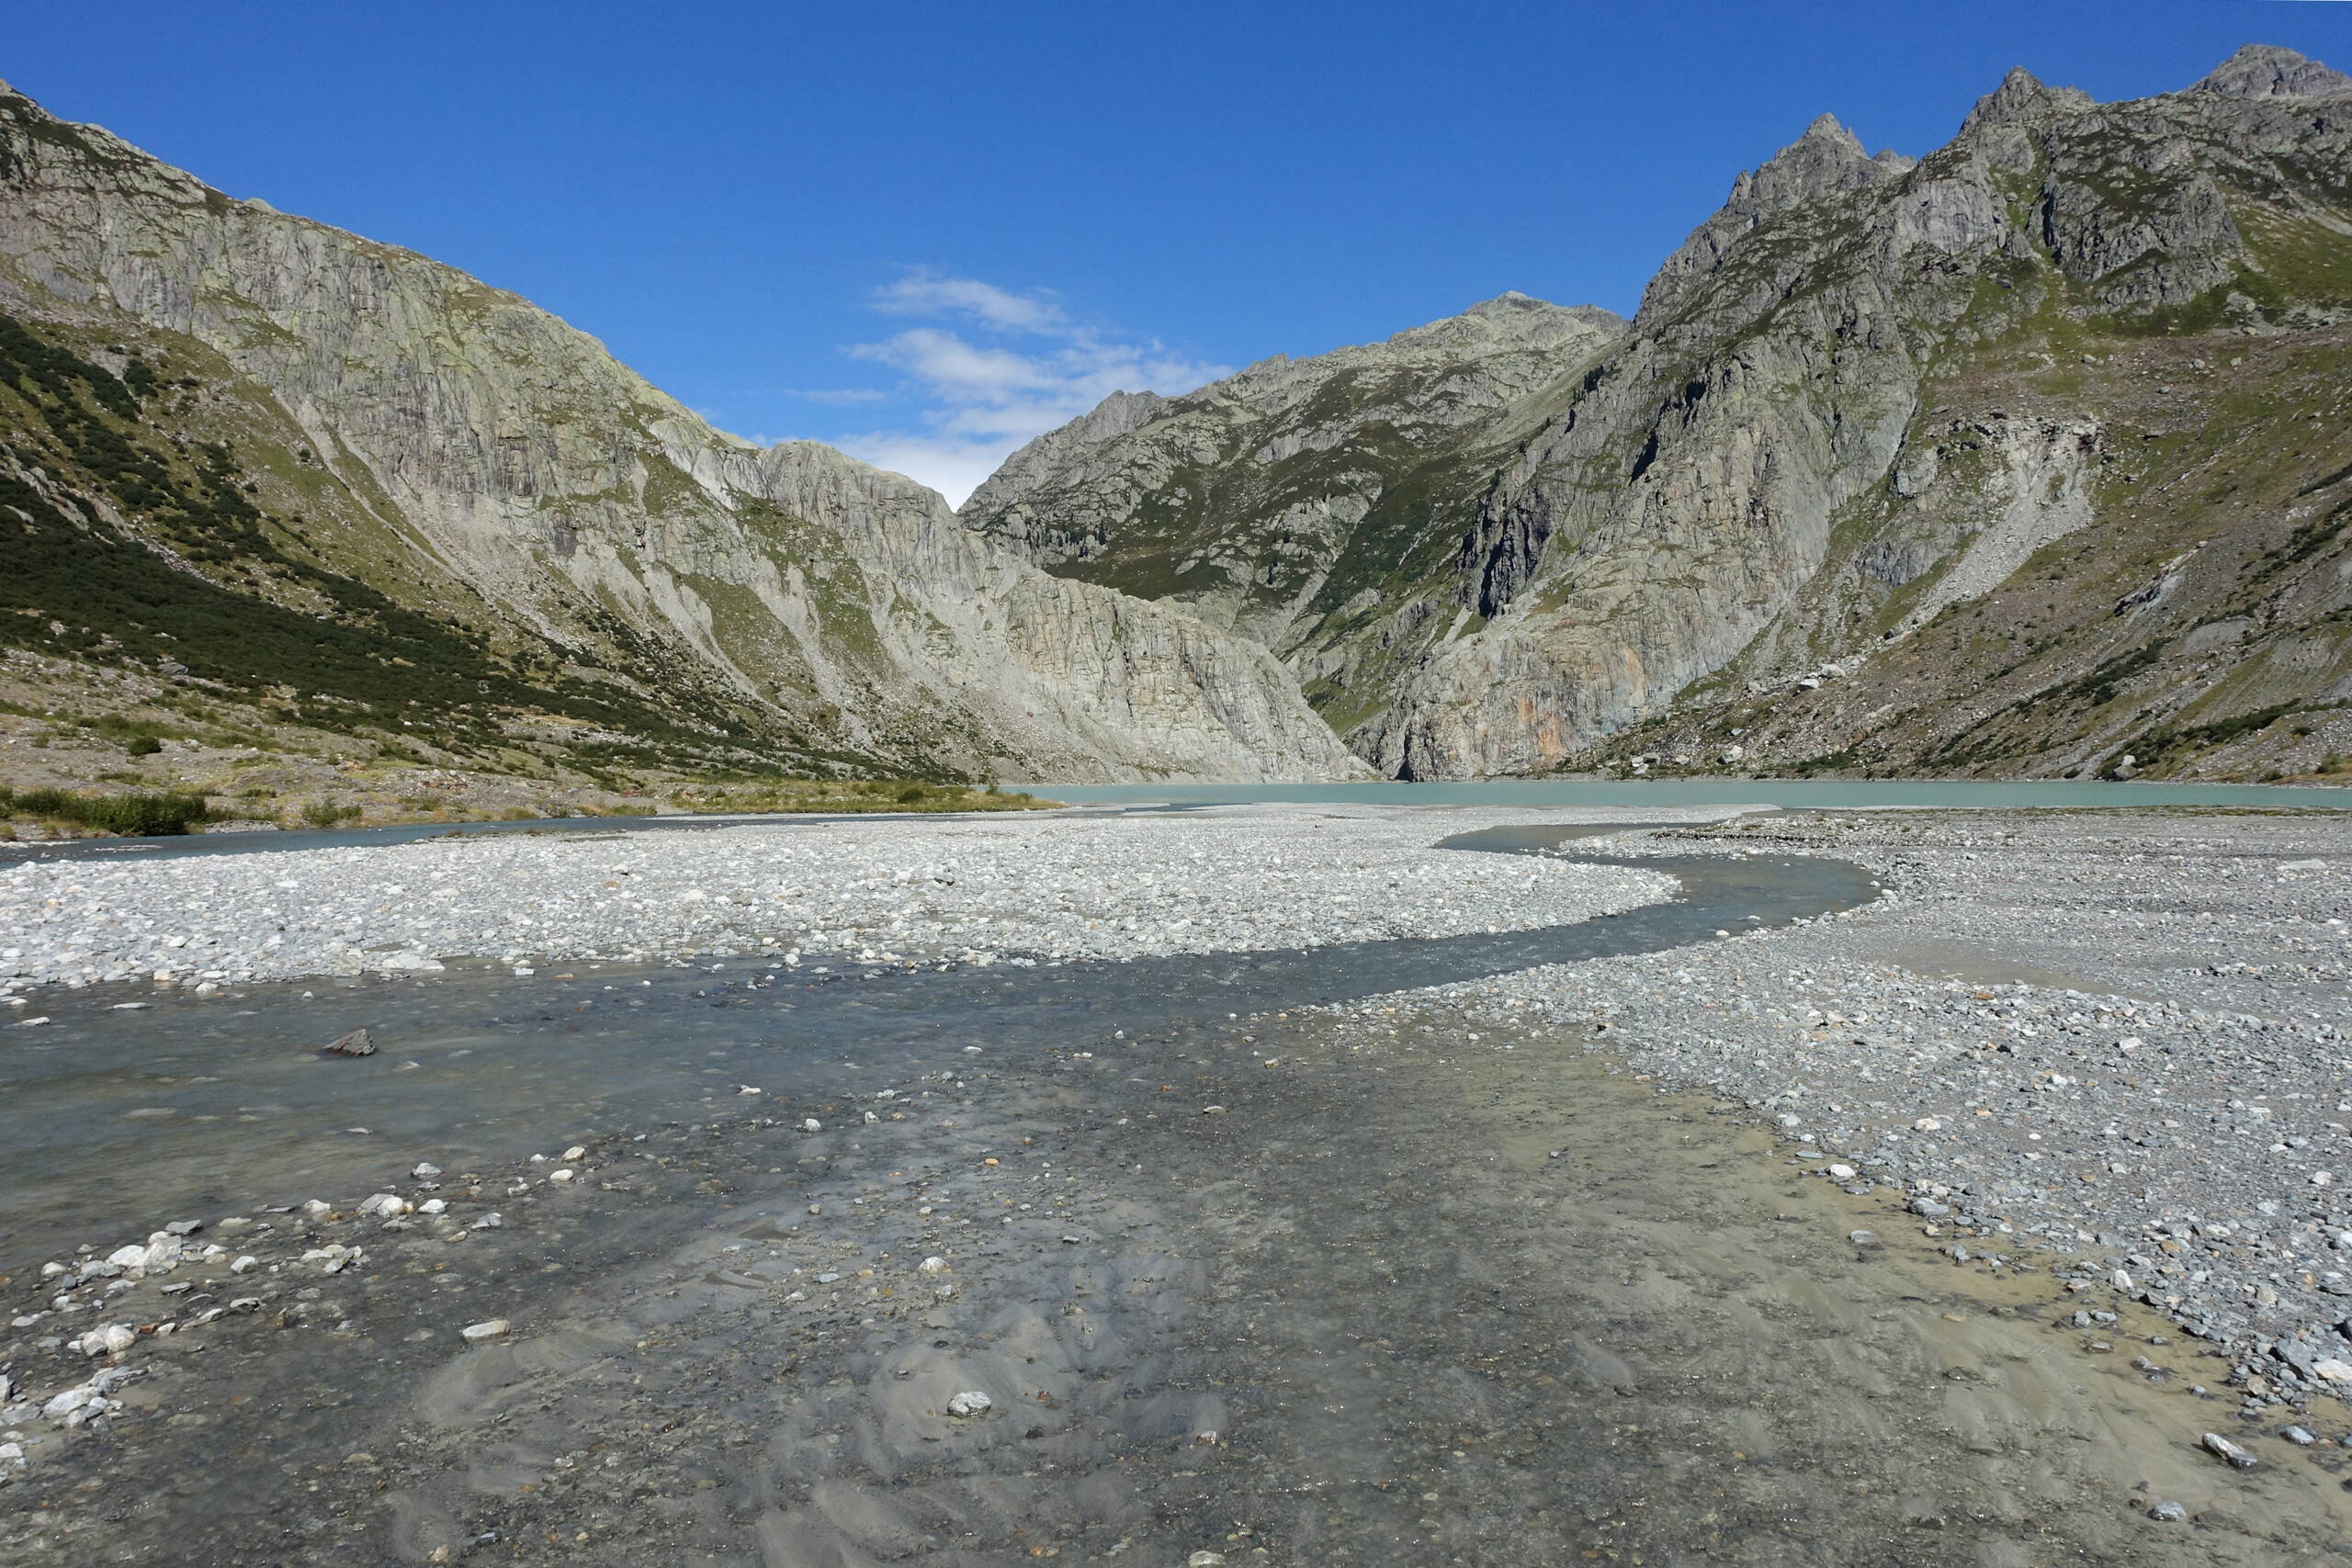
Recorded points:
(1921,427)
(401,432)
(1312,506)
(1869,402)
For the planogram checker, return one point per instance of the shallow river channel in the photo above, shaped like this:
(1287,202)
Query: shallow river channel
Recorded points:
(1255,1262)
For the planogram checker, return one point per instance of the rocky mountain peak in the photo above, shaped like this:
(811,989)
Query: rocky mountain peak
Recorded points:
(1825,160)
(1122,412)
(1862,405)
(2020,95)
(2267,71)
(1508,302)
(1510,323)
(491,490)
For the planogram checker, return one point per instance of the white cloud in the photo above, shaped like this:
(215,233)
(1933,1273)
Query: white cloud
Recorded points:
(954,469)
(925,293)
(1020,368)
(834,394)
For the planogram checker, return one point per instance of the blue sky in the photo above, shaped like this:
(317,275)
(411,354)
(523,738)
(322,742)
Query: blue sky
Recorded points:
(926,231)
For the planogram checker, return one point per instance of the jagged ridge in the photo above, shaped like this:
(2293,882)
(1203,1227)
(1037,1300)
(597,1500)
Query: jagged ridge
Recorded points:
(1865,402)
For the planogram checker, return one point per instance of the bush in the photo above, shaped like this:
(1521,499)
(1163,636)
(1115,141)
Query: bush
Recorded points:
(141,815)
(911,794)
(142,746)
(136,814)
(326,813)
(42,803)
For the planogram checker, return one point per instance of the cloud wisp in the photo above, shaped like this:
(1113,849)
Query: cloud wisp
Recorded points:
(991,369)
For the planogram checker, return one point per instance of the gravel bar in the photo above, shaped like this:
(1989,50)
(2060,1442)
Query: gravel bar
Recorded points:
(1021,889)
(2122,1035)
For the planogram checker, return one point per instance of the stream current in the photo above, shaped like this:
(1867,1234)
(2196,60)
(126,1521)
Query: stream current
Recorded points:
(178,1104)
(1245,1279)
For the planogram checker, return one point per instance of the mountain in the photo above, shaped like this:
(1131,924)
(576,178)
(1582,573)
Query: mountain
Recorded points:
(1311,505)
(249,459)
(2024,456)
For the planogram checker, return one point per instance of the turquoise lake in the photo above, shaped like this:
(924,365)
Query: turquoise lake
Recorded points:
(1846,795)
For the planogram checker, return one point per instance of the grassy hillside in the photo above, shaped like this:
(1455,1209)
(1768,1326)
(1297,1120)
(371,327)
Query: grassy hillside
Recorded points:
(179,570)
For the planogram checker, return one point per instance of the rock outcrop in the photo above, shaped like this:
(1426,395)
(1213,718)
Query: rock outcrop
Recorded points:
(1309,505)
(476,462)
(1868,410)
(2266,70)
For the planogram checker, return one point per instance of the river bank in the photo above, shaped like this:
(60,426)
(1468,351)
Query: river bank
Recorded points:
(1250,1288)
(1280,1255)
(2125,1036)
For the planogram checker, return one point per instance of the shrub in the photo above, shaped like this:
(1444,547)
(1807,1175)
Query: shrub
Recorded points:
(142,746)
(326,813)
(141,815)
(42,803)
(137,815)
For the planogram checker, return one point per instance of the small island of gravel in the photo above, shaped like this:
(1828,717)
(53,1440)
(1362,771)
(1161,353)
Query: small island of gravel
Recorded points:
(1014,888)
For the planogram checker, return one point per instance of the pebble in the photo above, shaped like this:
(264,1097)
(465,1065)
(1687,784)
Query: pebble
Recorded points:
(2221,1447)
(2169,1512)
(970,1403)
(111,1340)
(1006,890)
(2128,1035)
(475,1333)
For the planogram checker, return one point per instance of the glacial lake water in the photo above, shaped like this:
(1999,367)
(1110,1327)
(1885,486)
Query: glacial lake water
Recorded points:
(1823,794)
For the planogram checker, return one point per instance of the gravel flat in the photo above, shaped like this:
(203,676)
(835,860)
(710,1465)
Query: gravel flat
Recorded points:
(1024,889)
(1312,1286)
(2124,1036)
(1457,1273)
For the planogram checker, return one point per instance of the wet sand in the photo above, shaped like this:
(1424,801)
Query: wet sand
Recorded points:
(1430,1300)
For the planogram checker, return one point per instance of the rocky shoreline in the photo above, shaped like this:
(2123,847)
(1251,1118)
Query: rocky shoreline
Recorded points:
(2124,1035)
(2070,1078)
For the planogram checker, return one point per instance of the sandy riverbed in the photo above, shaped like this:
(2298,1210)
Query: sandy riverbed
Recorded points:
(1428,1276)
(2124,1035)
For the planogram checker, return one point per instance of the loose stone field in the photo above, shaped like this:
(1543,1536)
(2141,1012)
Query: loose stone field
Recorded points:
(995,1191)
(1005,888)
